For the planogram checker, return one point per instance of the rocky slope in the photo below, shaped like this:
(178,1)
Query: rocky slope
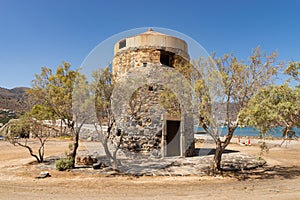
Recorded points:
(12,99)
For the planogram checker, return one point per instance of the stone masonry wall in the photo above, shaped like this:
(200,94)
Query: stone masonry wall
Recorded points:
(145,117)
(137,57)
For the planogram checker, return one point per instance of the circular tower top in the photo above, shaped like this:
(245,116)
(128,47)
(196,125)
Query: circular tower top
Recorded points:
(153,40)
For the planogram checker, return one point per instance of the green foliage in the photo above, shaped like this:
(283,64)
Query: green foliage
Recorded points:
(66,137)
(18,131)
(52,92)
(169,101)
(6,115)
(64,164)
(263,149)
(273,106)
(19,128)
(227,88)
(293,70)
(70,147)
(205,104)
(42,112)
(104,85)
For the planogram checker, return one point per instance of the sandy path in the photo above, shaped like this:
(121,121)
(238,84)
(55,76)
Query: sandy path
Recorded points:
(17,180)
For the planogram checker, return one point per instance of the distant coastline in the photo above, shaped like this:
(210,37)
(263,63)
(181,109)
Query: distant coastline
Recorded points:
(252,132)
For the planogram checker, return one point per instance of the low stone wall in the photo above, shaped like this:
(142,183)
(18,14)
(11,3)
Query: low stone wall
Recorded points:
(89,135)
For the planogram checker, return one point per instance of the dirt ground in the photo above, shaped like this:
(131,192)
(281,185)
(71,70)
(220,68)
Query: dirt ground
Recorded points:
(280,179)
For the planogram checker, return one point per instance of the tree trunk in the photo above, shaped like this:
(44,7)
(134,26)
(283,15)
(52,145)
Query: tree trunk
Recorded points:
(41,153)
(61,124)
(42,148)
(75,147)
(31,152)
(107,152)
(218,156)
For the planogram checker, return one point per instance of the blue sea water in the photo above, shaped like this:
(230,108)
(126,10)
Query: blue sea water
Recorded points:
(252,132)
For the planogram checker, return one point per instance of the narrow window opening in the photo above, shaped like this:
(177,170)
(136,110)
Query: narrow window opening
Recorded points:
(122,44)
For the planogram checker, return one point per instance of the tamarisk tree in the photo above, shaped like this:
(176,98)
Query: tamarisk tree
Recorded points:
(274,106)
(55,91)
(293,70)
(23,132)
(238,82)
(103,86)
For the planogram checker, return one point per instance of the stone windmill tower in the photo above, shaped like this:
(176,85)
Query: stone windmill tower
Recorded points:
(150,129)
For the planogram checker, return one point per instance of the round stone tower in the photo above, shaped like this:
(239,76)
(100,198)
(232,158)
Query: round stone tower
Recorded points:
(148,49)
(168,132)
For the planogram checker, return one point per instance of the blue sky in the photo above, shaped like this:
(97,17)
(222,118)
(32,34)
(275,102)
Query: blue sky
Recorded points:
(35,33)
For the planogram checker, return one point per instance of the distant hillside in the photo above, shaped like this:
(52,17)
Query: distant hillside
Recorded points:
(12,99)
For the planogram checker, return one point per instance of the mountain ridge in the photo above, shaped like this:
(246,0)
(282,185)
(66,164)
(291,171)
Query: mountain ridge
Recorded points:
(12,99)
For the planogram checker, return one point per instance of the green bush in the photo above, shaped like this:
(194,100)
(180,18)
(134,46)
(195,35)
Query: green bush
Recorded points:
(66,137)
(64,164)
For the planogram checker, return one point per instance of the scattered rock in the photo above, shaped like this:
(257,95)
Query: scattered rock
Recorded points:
(43,175)
(86,160)
(99,165)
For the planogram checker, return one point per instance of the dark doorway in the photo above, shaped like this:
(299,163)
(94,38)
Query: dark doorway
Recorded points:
(173,138)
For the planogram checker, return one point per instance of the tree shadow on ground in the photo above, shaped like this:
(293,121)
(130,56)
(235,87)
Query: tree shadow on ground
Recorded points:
(266,172)
(47,161)
(211,151)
